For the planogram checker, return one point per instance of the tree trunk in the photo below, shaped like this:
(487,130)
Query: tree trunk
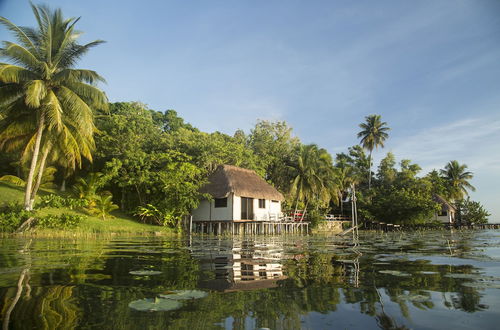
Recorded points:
(305,210)
(39,176)
(122,201)
(370,170)
(138,193)
(296,207)
(34,160)
(341,203)
(63,183)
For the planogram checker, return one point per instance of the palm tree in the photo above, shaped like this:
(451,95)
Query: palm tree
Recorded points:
(104,205)
(313,178)
(458,179)
(373,135)
(43,92)
(343,177)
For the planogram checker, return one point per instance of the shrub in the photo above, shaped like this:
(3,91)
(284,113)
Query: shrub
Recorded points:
(12,215)
(57,201)
(63,221)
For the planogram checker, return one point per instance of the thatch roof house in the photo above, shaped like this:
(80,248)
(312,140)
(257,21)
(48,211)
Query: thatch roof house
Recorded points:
(448,210)
(238,194)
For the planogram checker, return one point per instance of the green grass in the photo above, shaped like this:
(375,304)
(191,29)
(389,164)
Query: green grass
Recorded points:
(118,224)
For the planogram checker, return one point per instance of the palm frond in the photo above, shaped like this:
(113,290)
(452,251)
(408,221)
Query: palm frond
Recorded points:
(53,111)
(10,73)
(13,180)
(19,33)
(78,75)
(35,93)
(19,55)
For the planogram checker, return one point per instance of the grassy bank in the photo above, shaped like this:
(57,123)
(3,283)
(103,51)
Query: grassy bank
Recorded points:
(118,224)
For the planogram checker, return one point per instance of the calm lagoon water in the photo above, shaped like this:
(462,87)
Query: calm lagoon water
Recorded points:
(419,280)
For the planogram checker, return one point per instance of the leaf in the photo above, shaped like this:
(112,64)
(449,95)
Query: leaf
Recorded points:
(13,179)
(184,294)
(154,305)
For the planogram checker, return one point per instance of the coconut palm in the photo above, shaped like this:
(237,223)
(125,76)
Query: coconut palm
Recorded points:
(458,179)
(313,177)
(373,135)
(42,91)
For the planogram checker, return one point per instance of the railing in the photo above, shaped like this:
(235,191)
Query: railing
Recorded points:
(337,217)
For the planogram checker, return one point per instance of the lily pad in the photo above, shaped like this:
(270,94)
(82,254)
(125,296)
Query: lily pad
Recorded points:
(154,305)
(415,298)
(482,285)
(393,272)
(184,294)
(144,272)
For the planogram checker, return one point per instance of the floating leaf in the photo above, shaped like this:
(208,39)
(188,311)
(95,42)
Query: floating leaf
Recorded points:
(184,294)
(154,305)
(144,272)
(415,298)
(393,272)
(482,285)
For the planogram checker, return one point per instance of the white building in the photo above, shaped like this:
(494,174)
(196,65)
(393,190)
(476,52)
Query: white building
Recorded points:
(447,212)
(238,194)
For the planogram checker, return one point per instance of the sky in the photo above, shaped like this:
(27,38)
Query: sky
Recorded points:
(431,69)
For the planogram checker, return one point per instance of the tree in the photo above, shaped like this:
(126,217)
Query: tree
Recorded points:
(44,86)
(274,147)
(104,205)
(457,179)
(471,212)
(373,135)
(313,180)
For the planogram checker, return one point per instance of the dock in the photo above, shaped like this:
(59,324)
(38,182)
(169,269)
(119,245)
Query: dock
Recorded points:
(249,227)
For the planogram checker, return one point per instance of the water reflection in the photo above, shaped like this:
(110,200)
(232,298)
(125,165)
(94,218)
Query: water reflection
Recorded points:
(389,281)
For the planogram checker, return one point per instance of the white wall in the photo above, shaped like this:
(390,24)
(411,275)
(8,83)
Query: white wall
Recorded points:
(448,218)
(207,211)
(202,212)
(236,207)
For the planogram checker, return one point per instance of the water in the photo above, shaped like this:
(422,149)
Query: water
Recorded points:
(420,280)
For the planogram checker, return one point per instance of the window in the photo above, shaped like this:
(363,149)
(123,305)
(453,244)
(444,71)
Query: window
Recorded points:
(275,201)
(221,202)
(262,203)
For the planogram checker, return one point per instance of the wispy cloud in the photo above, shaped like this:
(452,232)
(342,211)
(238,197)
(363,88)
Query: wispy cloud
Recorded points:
(475,141)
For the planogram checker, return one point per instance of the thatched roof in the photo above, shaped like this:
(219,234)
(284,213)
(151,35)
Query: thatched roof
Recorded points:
(242,182)
(445,205)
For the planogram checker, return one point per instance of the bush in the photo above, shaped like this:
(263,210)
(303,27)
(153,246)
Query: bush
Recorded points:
(63,221)
(57,201)
(471,212)
(12,215)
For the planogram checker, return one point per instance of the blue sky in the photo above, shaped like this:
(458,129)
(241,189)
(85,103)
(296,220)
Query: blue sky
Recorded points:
(430,68)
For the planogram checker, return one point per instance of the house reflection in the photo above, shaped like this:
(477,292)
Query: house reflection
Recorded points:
(242,265)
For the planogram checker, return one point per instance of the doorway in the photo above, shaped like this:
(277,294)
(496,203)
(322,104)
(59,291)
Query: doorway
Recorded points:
(246,208)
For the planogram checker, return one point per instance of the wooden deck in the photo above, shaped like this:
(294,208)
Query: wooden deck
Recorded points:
(249,227)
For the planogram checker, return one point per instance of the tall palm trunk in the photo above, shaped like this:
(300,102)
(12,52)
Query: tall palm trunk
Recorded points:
(39,176)
(341,200)
(305,210)
(370,170)
(34,160)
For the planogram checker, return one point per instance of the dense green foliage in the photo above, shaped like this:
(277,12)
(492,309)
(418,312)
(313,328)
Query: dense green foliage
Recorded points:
(12,215)
(471,212)
(54,200)
(62,221)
